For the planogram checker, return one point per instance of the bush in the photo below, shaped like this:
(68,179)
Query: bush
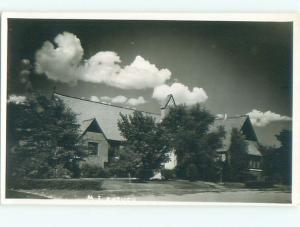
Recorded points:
(168,174)
(192,173)
(73,184)
(258,184)
(60,172)
(144,174)
(88,171)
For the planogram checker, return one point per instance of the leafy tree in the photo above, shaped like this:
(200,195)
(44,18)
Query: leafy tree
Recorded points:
(43,139)
(193,141)
(146,143)
(269,160)
(237,156)
(277,163)
(284,156)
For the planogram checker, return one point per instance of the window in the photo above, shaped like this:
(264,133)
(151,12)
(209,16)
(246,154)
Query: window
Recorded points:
(93,148)
(251,164)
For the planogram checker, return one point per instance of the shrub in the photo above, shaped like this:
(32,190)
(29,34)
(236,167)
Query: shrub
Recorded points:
(258,184)
(168,174)
(88,171)
(73,184)
(192,172)
(60,172)
(144,174)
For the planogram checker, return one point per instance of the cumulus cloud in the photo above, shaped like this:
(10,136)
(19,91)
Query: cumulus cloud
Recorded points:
(119,99)
(60,63)
(64,62)
(94,98)
(136,101)
(16,99)
(262,119)
(181,93)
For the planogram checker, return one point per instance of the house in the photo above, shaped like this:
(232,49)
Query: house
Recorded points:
(99,128)
(244,126)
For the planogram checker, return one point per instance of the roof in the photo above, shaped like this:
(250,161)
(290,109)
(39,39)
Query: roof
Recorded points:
(242,124)
(85,124)
(229,124)
(253,148)
(107,117)
(105,114)
(168,99)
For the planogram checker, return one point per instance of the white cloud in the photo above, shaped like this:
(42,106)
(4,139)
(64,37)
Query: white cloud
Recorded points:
(119,99)
(136,101)
(64,63)
(94,98)
(16,99)
(122,99)
(105,98)
(60,63)
(140,74)
(262,119)
(181,93)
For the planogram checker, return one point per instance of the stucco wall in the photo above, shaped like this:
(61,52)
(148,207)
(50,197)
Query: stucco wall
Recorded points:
(102,157)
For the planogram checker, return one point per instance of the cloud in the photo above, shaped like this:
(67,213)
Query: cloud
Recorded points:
(60,63)
(94,98)
(64,62)
(262,119)
(119,99)
(181,93)
(16,99)
(140,74)
(136,101)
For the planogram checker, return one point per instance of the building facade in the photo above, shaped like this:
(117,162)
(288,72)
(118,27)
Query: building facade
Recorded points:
(99,127)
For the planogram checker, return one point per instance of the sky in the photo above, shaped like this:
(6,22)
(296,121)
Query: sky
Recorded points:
(231,68)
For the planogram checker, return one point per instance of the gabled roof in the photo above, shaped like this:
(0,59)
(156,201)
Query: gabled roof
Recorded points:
(253,148)
(243,124)
(106,115)
(85,124)
(90,125)
(229,124)
(169,99)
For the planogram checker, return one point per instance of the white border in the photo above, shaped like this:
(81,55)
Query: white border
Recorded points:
(282,17)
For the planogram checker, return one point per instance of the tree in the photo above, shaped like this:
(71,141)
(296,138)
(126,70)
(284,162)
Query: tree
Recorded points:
(277,163)
(146,143)
(237,156)
(193,141)
(284,156)
(43,139)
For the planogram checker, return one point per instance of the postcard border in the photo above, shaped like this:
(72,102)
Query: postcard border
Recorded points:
(270,17)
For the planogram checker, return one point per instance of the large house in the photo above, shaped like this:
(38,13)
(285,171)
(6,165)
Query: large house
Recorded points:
(244,126)
(99,128)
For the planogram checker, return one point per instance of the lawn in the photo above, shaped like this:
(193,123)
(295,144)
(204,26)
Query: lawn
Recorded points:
(177,190)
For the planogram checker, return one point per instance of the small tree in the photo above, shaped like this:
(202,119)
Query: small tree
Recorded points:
(43,139)
(237,156)
(146,142)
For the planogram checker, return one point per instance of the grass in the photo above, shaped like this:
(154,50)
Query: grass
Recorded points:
(22,195)
(173,190)
(74,184)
